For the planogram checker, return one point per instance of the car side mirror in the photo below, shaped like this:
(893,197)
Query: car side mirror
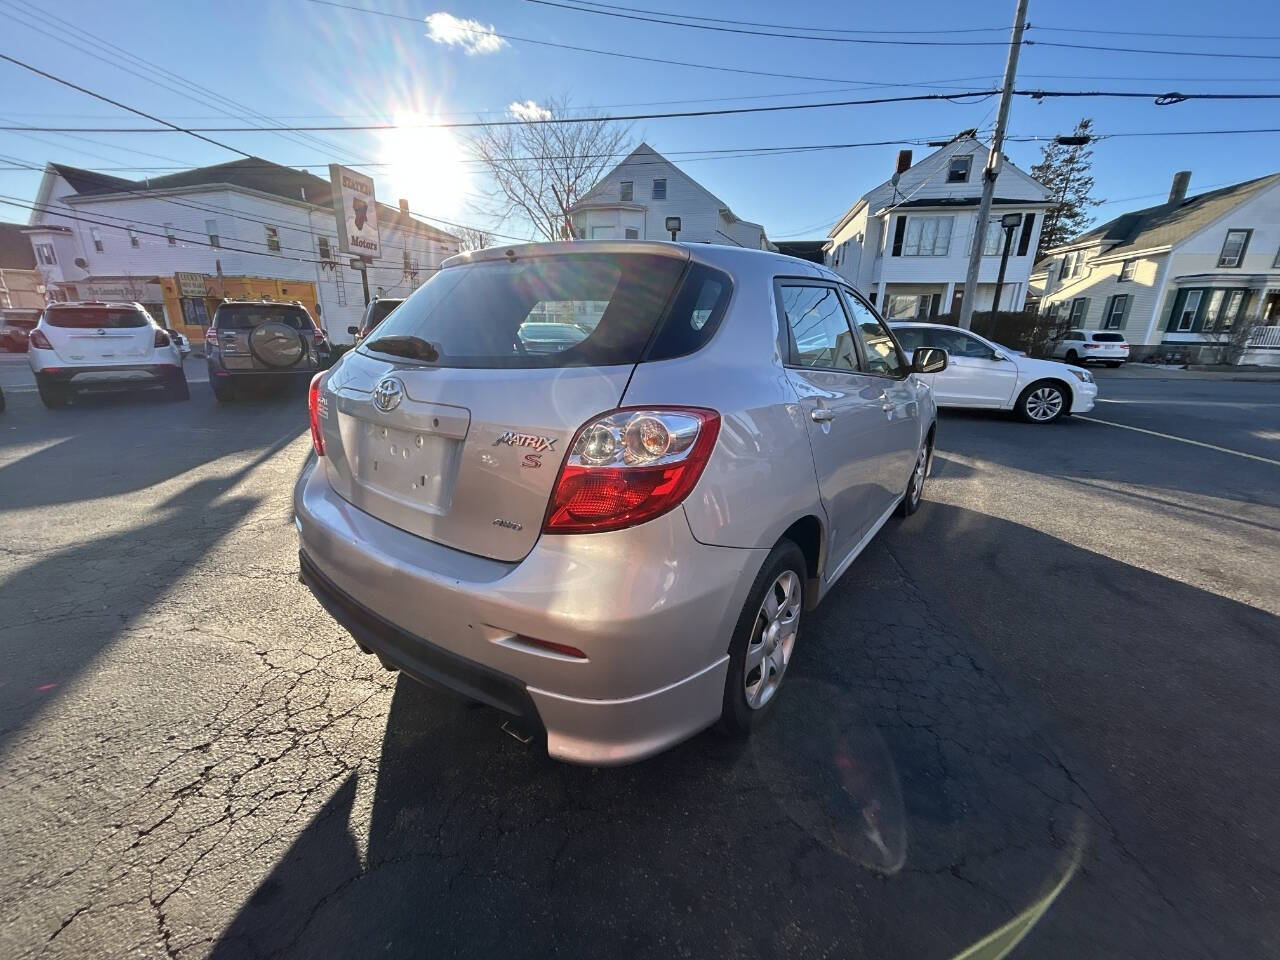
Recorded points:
(928,360)
(997,355)
(353,330)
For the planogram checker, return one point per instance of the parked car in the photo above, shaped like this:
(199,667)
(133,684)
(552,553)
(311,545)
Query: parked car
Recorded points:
(1093,346)
(99,346)
(379,309)
(15,328)
(615,540)
(984,374)
(262,342)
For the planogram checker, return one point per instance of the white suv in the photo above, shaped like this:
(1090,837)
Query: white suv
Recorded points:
(1093,346)
(94,345)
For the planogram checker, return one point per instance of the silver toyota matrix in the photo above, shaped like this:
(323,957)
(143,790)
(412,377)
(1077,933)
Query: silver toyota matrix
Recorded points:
(597,484)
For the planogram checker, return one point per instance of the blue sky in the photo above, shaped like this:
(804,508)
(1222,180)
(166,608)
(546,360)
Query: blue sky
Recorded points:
(309,64)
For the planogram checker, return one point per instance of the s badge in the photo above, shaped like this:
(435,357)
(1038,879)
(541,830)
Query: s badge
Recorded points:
(532,461)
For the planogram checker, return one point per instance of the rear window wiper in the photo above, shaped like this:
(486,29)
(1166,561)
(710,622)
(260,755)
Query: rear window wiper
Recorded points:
(413,348)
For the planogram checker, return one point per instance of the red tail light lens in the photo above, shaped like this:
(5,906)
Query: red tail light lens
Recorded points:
(39,340)
(630,466)
(317,410)
(162,339)
(319,334)
(210,337)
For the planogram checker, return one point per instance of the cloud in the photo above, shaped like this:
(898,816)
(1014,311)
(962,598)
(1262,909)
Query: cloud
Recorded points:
(472,35)
(528,110)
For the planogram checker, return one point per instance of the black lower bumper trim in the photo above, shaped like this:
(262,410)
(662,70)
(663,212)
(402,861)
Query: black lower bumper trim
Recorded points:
(419,658)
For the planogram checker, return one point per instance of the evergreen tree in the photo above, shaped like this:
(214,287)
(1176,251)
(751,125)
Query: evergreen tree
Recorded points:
(1067,172)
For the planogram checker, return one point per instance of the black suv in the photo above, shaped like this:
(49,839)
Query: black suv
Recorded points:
(374,314)
(262,341)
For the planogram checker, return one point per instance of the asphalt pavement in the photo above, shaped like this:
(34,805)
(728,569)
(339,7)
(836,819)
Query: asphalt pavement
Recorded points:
(1059,679)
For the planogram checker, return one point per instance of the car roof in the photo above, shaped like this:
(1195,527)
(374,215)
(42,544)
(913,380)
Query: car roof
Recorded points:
(85,304)
(733,260)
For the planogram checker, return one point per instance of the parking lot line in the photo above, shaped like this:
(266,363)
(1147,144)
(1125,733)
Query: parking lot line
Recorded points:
(1170,436)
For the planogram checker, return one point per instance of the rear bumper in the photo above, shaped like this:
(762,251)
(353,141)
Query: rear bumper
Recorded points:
(652,609)
(114,377)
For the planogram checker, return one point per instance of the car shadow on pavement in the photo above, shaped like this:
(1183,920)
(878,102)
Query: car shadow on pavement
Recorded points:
(111,444)
(908,796)
(50,634)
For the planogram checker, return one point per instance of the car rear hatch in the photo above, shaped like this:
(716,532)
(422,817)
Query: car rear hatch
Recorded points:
(447,424)
(1109,345)
(264,336)
(100,336)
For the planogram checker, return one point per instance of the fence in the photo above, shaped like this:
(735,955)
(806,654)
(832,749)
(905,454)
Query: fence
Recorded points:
(1032,333)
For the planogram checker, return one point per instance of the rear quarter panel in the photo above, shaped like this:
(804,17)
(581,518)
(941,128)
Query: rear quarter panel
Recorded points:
(760,478)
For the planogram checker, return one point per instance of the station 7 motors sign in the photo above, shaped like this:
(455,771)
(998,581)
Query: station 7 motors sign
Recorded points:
(357,212)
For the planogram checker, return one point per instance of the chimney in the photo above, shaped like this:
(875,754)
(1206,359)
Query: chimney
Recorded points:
(1178,192)
(404,206)
(904,163)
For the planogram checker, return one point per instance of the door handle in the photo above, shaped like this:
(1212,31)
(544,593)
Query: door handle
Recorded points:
(821,415)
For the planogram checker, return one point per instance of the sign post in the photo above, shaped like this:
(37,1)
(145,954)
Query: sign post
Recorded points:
(356,210)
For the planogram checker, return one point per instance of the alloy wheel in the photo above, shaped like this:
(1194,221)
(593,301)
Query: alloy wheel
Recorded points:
(773,639)
(1044,403)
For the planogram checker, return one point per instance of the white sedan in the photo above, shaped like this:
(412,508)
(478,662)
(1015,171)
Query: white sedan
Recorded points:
(983,374)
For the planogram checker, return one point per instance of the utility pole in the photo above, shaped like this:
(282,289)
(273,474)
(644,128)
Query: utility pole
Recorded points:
(992,169)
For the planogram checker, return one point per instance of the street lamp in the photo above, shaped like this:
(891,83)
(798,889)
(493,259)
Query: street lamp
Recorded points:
(1009,222)
(673,225)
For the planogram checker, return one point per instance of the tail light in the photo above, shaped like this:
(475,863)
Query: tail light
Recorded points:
(162,339)
(319,335)
(210,337)
(317,409)
(630,466)
(1091,346)
(40,341)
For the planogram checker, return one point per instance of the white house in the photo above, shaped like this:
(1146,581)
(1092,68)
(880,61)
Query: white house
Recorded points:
(906,242)
(634,200)
(1178,276)
(101,237)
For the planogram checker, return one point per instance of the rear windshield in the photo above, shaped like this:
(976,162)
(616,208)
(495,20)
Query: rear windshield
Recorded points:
(246,316)
(1108,338)
(378,312)
(589,309)
(19,321)
(82,318)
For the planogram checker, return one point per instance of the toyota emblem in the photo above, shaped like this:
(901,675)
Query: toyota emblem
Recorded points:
(388,394)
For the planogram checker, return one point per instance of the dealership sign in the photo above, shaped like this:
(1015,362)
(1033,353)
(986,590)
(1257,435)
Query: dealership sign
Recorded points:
(356,210)
(191,284)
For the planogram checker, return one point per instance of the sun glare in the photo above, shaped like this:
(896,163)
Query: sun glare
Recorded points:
(425,165)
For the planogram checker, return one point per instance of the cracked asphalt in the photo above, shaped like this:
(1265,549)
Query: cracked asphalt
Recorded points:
(1065,666)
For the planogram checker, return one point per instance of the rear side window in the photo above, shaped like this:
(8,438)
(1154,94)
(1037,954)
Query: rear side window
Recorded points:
(818,328)
(246,316)
(694,315)
(1108,338)
(553,311)
(909,337)
(81,318)
(379,312)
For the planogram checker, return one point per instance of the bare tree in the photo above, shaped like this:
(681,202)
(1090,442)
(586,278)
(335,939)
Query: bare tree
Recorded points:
(1234,339)
(540,169)
(473,238)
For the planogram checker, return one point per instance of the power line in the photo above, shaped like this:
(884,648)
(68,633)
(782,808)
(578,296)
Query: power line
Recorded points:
(1152,33)
(117,103)
(617,12)
(1163,53)
(604,53)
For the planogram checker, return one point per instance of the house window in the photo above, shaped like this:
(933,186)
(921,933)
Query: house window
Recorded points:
(133,238)
(1068,263)
(1126,270)
(659,189)
(273,239)
(993,242)
(632,233)
(1190,305)
(628,190)
(342,288)
(97,238)
(1233,248)
(958,168)
(211,228)
(1213,311)
(44,251)
(1079,306)
(323,243)
(1234,300)
(1114,319)
(169,235)
(926,236)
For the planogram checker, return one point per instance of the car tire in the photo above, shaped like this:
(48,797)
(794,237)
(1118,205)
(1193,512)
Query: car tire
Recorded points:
(1116,364)
(1037,403)
(914,493)
(53,395)
(223,393)
(746,701)
(1072,357)
(176,389)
